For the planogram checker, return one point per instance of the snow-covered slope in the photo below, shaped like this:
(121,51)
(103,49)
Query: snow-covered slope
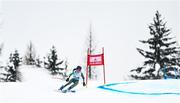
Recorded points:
(38,86)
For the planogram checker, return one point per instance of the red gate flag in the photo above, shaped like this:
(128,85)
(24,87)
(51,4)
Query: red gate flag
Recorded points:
(94,60)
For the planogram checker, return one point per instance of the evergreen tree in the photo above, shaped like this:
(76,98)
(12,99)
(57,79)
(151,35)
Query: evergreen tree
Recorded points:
(12,68)
(53,63)
(30,55)
(65,69)
(38,62)
(12,73)
(162,52)
(2,69)
(15,59)
(1,47)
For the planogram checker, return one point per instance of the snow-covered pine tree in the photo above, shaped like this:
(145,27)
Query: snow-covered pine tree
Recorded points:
(15,59)
(38,62)
(12,68)
(65,69)
(162,52)
(53,62)
(3,72)
(1,47)
(30,55)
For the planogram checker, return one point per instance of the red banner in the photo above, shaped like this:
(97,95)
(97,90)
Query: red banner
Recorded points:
(94,60)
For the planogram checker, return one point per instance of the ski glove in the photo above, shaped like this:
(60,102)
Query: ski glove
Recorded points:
(84,84)
(67,79)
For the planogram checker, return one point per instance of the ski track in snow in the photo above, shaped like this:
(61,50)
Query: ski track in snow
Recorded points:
(38,86)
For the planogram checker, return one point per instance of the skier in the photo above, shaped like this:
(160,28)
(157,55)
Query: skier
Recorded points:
(75,79)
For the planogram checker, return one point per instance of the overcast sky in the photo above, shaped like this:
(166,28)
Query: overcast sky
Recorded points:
(116,26)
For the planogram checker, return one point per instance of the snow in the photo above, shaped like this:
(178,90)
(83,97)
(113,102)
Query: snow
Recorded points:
(38,86)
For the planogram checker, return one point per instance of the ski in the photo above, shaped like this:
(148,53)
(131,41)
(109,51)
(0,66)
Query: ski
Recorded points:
(65,91)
